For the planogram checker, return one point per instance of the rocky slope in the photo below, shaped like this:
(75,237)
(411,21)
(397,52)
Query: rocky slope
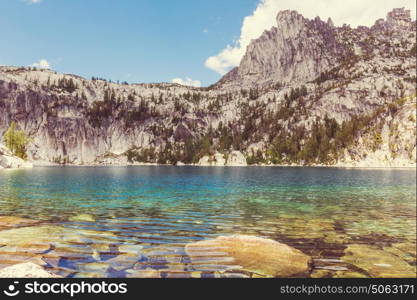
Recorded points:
(10,161)
(306,93)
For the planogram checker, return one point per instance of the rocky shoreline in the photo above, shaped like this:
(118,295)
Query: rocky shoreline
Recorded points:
(38,249)
(353,167)
(13,163)
(337,166)
(24,256)
(237,159)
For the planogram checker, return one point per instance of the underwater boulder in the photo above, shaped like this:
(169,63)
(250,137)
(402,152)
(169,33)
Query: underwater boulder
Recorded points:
(253,254)
(378,263)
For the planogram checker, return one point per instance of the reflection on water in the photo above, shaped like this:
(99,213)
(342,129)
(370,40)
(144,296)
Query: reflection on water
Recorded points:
(145,215)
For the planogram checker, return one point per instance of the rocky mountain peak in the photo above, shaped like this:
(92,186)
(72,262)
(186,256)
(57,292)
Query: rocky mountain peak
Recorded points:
(330,22)
(399,19)
(300,50)
(290,22)
(295,50)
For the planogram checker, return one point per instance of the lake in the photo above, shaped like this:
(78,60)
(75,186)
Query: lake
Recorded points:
(89,214)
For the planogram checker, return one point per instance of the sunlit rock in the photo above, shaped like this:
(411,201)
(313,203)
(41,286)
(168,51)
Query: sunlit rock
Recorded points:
(147,273)
(12,222)
(94,267)
(10,161)
(236,158)
(218,159)
(130,249)
(82,218)
(29,235)
(378,263)
(254,254)
(348,274)
(25,270)
(405,250)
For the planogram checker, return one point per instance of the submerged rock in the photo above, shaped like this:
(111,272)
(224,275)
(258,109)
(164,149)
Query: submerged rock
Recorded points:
(254,254)
(33,248)
(378,263)
(84,275)
(8,259)
(25,270)
(82,218)
(56,241)
(29,235)
(325,273)
(348,274)
(12,222)
(125,261)
(147,273)
(321,273)
(94,267)
(130,249)
(100,247)
(405,250)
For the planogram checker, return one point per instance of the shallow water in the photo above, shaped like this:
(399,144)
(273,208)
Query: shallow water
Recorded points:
(320,211)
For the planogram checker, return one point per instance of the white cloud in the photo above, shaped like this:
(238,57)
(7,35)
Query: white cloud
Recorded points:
(187,81)
(41,64)
(353,12)
(33,1)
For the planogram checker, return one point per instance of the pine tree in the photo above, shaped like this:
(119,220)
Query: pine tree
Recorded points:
(16,141)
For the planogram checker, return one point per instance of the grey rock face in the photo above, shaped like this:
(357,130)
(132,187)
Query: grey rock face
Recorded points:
(296,50)
(299,49)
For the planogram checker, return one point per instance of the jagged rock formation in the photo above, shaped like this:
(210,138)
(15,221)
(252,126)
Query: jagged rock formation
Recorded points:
(397,20)
(297,50)
(300,50)
(306,92)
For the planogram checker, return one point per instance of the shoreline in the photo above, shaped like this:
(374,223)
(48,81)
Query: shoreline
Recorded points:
(225,166)
(39,164)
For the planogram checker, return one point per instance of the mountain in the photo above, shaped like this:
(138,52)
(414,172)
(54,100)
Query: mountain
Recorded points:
(305,93)
(297,50)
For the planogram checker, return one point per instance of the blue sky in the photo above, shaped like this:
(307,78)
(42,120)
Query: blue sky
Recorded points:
(155,40)
(133,40)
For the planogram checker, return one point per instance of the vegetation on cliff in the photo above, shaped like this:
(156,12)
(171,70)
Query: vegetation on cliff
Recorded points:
(16,141)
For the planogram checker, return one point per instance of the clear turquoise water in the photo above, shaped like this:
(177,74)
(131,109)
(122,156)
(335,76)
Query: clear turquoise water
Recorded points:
(317,210)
